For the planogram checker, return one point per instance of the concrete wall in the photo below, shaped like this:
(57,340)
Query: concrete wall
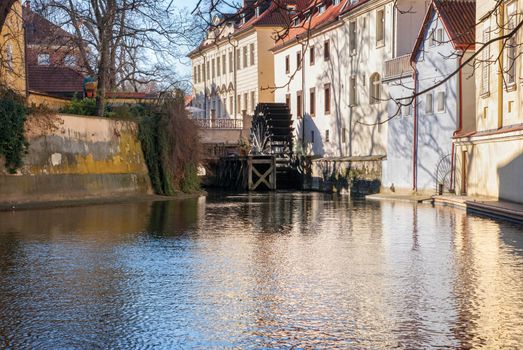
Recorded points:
(72,157)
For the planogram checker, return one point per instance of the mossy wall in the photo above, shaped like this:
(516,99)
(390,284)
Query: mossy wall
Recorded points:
(77,157)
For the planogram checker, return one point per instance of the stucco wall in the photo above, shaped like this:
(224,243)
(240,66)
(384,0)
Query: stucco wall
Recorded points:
(77,157)
(12,51)
(493,167)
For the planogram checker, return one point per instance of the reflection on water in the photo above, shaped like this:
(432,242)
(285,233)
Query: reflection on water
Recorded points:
(259,271)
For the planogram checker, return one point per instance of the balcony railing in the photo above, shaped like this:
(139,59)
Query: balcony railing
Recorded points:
(219,123)
(398,67)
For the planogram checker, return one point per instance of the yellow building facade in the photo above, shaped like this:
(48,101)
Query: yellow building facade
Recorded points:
(12,51)
(489,161)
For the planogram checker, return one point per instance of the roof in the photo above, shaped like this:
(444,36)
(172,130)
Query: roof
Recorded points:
(54,80)
(40,31)
(459,20)
(316,22)
(276,15)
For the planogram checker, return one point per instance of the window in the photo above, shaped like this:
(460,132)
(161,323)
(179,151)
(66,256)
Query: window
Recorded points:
(239,104)
(439,36)
(208,70)
(312,101)
(231,63)
(510,66)
(9,56)
(288,100)
(321,8)
(195,75)
(311,56)
(299,112)
(252,54)
(218,66)
(70,60)
(213,69)
(440,101)
(245,102)
(198,72)
(326,50)
(327,92)
(296,22)
(298,60)
(327,135)
(375,88)
(287,64)
(43,59)
(405,110)
(253,101)
(343,135)
(429,105)
(312,136)
(380,27)
(485,64)
(231,104)
(224,64)
(245,59)
(352,91)
(238,59)
(431,38)
(353,41)
(224,103)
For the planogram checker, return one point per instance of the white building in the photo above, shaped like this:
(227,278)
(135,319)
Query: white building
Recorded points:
(420,154)
(336,94)
(233,66)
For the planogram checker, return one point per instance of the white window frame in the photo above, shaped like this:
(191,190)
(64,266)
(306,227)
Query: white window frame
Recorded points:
(380,28)
(44,59)
(429,103)
(440,101)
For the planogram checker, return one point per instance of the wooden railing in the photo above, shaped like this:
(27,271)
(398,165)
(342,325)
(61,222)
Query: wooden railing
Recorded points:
(398,67)
(219,123)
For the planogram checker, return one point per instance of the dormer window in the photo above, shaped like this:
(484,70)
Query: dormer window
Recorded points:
(44,59)
(296,22)
(321,8)
(257,11)
(335,2)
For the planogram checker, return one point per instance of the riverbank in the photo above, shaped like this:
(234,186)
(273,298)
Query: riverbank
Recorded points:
(29,205)
(490,207)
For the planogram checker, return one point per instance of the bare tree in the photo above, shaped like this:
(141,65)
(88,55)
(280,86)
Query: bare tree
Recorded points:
(124,43)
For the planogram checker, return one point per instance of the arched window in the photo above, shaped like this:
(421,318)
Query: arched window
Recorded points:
(375,88)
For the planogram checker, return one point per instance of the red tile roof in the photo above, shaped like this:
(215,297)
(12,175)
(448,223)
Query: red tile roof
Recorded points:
(315,22)
(459,17)
(459,20)
(61,81)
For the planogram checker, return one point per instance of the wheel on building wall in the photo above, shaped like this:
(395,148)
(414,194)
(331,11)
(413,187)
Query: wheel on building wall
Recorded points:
(443,172)
(271,131)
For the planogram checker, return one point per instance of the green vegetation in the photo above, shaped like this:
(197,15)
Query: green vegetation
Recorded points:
(13,144)
(171,147)
(86,106)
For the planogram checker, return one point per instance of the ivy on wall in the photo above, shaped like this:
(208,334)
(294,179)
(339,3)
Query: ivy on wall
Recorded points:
(13,144)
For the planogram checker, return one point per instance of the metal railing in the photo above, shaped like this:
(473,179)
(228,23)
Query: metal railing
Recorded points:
(219,123)
(398,67)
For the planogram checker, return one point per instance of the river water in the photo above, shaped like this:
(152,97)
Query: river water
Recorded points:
(284,270)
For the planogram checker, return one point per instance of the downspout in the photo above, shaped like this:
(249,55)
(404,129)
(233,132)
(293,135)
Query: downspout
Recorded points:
(500,70)
(303,95)
(460,126)
(205,86)
(415,131)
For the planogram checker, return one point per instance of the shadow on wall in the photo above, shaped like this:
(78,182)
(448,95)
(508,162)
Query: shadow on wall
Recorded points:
(510,183)
(307,130)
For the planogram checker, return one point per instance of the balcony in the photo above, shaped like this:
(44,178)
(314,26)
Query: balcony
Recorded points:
(220,123)
(398,67)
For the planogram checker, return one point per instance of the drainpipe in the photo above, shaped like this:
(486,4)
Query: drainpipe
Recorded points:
(460,125)
(302,93)
(415,131)
(501,18)
(205,86)
(235,60)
